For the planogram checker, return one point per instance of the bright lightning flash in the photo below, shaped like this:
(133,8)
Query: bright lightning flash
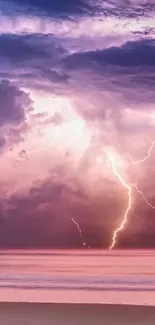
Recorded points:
(80,232)
(129,190)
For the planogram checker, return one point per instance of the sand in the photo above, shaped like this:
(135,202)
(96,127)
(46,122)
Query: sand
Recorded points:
(75,314)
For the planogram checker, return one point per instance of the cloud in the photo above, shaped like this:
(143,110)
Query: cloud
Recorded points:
(90,69)
(57,9)
(45,119)
(41,61)
(128,71)
(56,119)
(90,77)
(129,8)
(130,55)
(42,216)
(71,9)
(2,142)
(14,105)
(21,49)
(31,58)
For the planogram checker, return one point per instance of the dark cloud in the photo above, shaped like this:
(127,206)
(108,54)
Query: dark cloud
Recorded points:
(147,31)
(78,8)
(41,61)
(2,142)
(133,54)
(42,218)
(23,48)
(54,76)
(55,8)
(14,104)
(31,58)
(128,70)
(129,8)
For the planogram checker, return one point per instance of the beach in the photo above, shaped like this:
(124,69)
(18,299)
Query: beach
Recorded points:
(77,287)
(78,314)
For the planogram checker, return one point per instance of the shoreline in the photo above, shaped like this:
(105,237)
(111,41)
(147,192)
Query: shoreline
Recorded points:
(74,304)
(141,298)
(14,313)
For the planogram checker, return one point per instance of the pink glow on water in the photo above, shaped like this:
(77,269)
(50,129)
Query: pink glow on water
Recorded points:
(125,277)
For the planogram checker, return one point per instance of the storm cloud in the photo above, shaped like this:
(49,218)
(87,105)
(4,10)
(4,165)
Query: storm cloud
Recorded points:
(76,91)
(14,105)
(77,8)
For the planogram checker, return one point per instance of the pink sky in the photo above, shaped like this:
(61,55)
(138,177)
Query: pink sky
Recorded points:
(74,93)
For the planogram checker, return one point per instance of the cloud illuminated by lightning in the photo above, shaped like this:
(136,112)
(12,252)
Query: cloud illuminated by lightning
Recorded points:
(80,231)
(116,166)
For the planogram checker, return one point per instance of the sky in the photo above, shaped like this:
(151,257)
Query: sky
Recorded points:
(77,118)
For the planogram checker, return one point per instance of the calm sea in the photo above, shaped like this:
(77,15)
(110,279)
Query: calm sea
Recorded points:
(78,276)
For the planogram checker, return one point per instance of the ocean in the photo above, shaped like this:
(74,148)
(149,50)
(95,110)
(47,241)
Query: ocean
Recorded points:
(81,276)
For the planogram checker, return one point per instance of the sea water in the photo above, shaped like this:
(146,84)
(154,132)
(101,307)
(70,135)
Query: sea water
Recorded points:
(90,276)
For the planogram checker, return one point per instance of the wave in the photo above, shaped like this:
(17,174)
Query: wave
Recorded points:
(81,279)
(77,283)
(78,288)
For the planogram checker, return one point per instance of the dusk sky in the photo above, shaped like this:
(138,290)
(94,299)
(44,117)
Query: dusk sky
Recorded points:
(77,108)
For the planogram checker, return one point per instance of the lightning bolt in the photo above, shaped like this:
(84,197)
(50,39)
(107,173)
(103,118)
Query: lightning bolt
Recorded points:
(80,231)
(143,196)
(129,190)
(45,147)
(137,162)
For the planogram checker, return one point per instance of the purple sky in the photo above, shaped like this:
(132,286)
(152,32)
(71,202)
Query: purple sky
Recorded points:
(77,86)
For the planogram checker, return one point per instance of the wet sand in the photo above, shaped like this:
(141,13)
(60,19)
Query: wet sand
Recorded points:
(75,314)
